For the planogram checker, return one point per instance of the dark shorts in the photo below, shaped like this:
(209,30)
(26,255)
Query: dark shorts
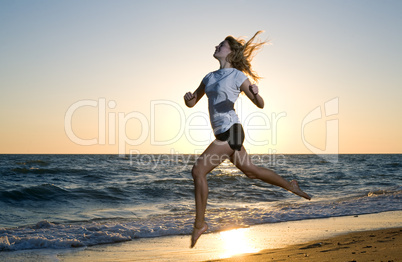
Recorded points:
(234,135)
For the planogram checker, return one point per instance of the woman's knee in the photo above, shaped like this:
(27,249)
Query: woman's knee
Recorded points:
(196,172)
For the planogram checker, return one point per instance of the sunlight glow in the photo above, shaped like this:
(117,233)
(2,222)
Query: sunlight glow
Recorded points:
(236,242)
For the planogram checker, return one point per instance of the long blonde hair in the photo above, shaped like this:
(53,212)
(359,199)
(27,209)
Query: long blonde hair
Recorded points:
(242,54)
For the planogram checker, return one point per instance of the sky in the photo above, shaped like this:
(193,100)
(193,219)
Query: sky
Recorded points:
(108,77)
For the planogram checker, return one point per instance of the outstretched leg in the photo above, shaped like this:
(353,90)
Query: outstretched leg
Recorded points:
(242,161)
(212,156)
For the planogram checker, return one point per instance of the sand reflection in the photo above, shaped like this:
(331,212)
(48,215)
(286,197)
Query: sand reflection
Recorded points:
(236,242)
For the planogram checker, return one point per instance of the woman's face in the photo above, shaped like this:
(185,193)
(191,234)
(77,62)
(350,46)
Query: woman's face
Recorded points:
(222,50)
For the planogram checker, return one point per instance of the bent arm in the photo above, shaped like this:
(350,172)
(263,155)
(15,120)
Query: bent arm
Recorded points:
(251,92)
(192,98)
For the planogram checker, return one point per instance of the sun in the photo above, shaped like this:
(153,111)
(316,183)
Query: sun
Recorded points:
(236,242)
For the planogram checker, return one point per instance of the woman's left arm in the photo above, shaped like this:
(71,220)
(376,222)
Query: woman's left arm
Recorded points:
(251,92)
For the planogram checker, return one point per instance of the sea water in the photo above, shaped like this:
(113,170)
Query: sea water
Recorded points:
(67,201)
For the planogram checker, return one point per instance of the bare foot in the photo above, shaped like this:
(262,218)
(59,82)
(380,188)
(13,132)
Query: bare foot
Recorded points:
(294,188)
(197,232)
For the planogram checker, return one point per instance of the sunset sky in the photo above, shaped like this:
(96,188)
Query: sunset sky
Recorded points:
(109,76)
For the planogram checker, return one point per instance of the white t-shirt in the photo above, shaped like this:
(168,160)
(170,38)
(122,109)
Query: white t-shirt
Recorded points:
(222,88)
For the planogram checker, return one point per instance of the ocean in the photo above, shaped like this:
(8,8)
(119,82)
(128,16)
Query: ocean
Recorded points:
(68,201)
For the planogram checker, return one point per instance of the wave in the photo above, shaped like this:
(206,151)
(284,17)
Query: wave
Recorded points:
(53,193)
(34,162)
(45,234)
(88,233)
(39,170)
(37,193)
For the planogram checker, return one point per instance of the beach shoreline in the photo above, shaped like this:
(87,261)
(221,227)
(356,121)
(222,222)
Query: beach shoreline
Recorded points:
(259,241)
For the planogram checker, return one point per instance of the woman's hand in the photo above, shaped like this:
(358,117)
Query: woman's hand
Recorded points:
(251,92)
(188,96)
(189,99)
(192,98)
(254,89)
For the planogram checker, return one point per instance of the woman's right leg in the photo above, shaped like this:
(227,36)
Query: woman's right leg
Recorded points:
(215,154)
(242,161)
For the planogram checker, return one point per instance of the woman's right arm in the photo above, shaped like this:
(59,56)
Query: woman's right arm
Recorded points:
(192,98)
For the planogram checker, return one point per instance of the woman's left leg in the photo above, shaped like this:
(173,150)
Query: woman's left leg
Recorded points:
(242,161)
(215,154)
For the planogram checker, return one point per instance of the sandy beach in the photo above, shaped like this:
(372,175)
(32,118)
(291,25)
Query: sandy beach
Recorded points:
(371,237)
(376,245)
